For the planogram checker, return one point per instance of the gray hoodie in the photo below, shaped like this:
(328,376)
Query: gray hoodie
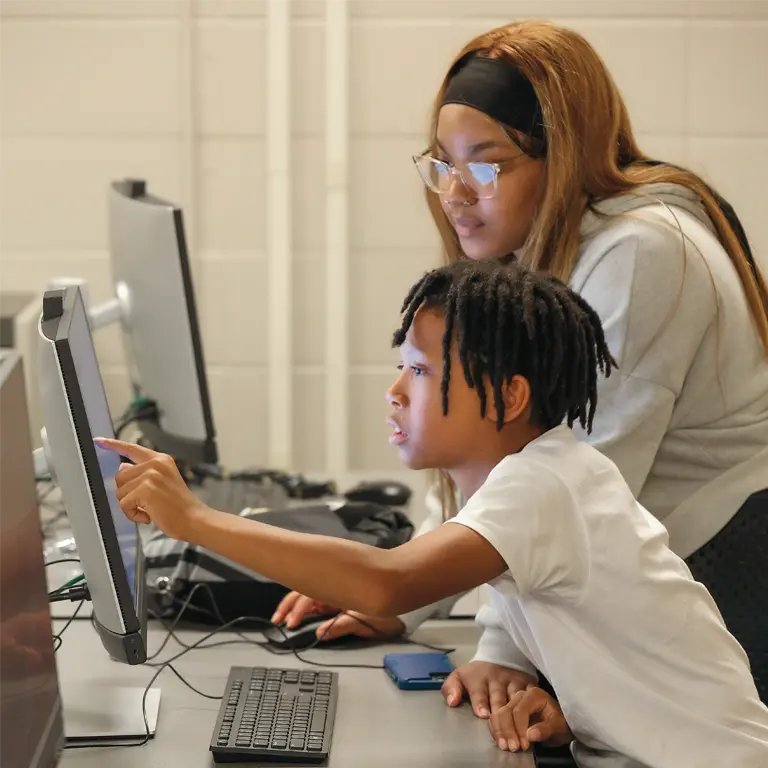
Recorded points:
(685,418)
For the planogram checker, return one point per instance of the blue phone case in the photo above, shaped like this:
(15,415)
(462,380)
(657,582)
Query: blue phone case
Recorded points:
(418,671)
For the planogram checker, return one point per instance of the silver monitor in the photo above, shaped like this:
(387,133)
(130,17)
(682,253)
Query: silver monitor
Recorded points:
(75,410)
(153,285)
(30,704)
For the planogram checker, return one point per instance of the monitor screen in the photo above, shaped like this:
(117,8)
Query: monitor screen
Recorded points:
(75,411)
(100,425)
(126,531)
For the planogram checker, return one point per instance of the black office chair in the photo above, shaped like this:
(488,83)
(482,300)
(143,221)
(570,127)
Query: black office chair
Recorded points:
(733,566)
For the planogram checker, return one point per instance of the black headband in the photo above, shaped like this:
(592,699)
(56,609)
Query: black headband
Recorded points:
(496,88)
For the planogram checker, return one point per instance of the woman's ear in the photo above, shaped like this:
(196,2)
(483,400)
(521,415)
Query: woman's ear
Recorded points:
(516,395)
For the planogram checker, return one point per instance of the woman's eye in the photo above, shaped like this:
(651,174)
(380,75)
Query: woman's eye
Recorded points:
(400,367)
(417,370)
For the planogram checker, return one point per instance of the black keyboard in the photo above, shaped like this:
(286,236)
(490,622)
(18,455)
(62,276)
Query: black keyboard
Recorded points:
(237,495)
(275,715)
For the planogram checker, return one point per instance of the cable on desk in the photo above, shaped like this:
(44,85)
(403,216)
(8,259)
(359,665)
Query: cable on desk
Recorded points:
(67,584)
(185,605)
(192,687)
(201,643)
(276,651)
(147,736)
(57,636)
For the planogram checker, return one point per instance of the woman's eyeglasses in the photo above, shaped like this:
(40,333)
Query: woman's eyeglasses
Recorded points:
(482,179)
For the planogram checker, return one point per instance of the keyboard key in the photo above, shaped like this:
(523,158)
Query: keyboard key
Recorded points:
(261,743)
(318,722)
(297,744)
(279,744)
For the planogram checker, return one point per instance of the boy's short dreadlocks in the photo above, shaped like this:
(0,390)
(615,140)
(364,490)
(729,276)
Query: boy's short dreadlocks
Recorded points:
(511,321)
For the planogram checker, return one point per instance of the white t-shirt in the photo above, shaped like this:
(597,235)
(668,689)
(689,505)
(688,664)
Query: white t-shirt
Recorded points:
(643,666)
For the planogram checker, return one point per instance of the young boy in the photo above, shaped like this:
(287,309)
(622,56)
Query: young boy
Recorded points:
(494,359)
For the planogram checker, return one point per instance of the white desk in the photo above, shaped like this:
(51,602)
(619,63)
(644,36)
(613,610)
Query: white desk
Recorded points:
(377,725)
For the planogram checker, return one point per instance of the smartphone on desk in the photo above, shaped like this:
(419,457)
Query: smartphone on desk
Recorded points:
(418,671)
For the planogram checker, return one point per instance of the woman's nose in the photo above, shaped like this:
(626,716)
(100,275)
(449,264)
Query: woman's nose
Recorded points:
(457,193)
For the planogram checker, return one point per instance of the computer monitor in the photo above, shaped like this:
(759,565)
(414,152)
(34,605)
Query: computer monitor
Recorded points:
(154,303)
(75,410)
(30,703)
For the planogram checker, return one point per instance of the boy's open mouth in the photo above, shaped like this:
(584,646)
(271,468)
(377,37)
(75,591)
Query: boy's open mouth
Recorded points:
(398,436)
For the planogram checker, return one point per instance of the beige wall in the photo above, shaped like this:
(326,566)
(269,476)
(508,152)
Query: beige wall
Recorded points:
(91,91)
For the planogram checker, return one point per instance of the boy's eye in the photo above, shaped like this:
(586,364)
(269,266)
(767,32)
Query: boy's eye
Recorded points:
(417,370)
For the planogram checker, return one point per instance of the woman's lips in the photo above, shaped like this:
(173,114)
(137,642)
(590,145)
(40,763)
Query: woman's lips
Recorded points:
(466,226)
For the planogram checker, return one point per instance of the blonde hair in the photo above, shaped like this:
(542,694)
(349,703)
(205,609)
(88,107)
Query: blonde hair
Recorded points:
(591,155)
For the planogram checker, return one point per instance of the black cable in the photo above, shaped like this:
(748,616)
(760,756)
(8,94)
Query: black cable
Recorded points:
(192,687)
(123,425)
(147,411)
(57,636)
(63,560)
(201,643)
(158,671)
(77,592)
(405,640)
(276,650)
(266,645)
(186,605)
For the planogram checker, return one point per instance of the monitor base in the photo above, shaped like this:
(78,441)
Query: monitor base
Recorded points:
(106,716)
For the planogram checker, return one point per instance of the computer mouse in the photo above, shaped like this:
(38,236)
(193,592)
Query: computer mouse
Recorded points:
(380,492)
(302,636)
(294,639)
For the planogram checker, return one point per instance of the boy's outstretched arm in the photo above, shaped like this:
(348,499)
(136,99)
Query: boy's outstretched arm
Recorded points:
(446,561)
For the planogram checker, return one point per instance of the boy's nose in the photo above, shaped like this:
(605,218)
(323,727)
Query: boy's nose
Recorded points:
(395,398)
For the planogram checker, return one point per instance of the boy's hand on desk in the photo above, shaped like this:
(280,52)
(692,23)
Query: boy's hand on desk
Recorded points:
(360,625)
(488,686)
(152,490)
(294,608)
(530,716)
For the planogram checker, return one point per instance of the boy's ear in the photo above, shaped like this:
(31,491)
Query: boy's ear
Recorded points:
(516,396)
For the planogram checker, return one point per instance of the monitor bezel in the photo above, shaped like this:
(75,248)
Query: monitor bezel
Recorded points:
(130,646)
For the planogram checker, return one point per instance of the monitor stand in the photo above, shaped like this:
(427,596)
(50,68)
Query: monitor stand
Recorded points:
(105,716)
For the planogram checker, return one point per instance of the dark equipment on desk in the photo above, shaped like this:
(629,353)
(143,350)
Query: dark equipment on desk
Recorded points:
(252,488)
(275,715)
(174,567)
(380,492)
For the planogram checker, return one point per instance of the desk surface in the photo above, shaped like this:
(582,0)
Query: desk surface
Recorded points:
(377,725)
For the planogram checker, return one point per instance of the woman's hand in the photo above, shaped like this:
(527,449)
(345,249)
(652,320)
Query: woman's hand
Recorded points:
(294,608)
(153,491)
(530,716)
(488,686)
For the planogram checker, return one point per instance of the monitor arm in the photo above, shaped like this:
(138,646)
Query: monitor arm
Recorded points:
(113,310)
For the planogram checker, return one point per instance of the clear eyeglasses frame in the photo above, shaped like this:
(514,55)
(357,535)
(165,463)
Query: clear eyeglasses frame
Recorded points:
(482,179)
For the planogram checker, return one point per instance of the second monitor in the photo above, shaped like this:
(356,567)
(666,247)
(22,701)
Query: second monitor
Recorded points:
(154,303)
